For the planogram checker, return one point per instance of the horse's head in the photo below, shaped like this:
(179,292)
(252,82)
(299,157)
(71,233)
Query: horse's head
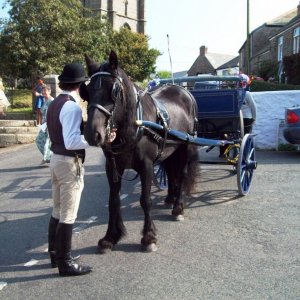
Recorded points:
(104,95)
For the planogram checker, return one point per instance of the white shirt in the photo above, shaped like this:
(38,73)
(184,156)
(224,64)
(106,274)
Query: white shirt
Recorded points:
(249,107)
(70,117)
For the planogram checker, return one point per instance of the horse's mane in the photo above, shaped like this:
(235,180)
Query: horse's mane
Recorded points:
(129,98)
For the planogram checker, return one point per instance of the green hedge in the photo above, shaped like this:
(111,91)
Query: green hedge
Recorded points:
(262,86)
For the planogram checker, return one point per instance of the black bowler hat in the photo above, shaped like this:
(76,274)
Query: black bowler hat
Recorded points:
(73,73)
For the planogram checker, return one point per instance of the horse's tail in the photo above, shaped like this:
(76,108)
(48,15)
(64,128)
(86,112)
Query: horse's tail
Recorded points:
(192,170)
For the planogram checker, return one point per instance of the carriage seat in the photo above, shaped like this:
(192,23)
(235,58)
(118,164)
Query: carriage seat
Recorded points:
(218,111)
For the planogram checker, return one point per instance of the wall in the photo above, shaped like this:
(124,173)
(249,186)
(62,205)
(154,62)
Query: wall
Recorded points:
(120,12)
(270,112)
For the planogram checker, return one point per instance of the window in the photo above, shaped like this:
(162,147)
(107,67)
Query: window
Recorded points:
(296,40)
(279,48)
(126,7)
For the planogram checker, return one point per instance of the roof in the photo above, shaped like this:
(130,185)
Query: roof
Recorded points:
(284,18)
(230,64)
(204,63)
(217,59)
(280,22)
(180,74)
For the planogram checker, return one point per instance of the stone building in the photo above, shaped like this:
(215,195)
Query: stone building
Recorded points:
(208,63)
(272,41)
(121,13)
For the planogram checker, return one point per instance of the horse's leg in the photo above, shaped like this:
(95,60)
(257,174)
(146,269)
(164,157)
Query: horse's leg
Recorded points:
(175,166)
(148,240)
(116,229)
(185,162)
(170,198)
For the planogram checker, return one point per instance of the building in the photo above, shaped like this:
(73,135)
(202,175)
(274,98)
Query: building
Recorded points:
(208,63)
(120,13)
(270,42)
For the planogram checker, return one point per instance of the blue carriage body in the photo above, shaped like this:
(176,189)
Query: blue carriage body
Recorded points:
(218,112)
(220,123)
(219,100)
(216,96)
(218,103)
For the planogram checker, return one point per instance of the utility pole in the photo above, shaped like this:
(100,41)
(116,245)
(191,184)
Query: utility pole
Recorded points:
(248,39)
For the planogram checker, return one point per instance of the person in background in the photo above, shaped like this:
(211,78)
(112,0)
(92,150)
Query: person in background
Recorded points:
(153,83)
(248,107)
(246,81)
(42,140)
(4,103)
(65,128)
(249,112)
(39,101)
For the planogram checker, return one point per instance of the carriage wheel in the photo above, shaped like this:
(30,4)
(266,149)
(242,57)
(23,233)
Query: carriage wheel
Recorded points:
(160,178)
(246,164)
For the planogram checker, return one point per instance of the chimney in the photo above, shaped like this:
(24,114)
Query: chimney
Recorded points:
(203,50)
(298,11)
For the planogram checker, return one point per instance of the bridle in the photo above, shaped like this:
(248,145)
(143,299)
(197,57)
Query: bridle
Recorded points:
(116,95)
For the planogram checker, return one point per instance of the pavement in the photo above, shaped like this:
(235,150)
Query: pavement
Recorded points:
(228,247)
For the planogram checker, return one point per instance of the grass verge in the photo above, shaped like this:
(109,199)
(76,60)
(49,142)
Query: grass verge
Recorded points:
(20,100)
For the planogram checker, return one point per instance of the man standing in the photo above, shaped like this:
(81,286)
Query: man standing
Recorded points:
(65,128)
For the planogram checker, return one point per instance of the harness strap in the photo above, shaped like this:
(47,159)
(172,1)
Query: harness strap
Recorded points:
(164,118)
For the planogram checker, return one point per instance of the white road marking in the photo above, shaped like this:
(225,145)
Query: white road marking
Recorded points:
(30,263)
(2,285)
(85,225)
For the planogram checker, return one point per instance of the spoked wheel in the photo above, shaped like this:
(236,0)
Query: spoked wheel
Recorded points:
(246,164)
(160,178)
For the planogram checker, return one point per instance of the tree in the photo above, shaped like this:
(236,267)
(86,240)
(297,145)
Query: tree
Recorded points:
(292,68)
(267,69)
(135,57)
(41,36)
(164,74)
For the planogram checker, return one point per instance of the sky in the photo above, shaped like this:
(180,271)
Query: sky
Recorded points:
(220,25)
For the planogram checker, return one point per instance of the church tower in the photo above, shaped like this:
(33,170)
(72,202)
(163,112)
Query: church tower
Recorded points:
(121,13)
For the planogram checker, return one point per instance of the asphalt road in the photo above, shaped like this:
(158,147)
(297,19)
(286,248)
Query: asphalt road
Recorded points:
(226,248)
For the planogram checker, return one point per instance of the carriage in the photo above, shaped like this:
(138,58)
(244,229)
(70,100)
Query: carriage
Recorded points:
(220,124)
(138,128)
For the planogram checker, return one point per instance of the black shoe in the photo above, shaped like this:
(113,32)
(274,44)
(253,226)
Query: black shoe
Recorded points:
(53,258)
(69,268)
(66,265)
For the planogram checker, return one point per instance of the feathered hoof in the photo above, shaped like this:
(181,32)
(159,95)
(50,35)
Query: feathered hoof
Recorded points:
(178,218)
(104,247)
(149,248)
(101,250)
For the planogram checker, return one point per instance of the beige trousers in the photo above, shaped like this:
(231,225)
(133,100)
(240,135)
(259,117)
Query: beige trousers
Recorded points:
(67,185)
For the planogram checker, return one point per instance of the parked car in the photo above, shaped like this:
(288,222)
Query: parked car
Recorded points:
(291,132)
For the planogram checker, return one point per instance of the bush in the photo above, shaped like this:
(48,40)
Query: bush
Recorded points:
(287,147)
(262,86)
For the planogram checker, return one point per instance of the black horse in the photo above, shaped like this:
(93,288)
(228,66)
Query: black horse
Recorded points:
(114,105)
